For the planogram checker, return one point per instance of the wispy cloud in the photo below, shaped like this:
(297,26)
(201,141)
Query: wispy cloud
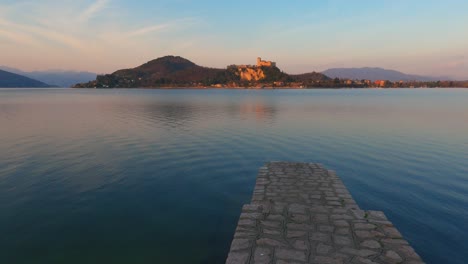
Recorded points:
(69,33)
(17,38)
(174,24)
(149,29)
(93,9)
(41,32)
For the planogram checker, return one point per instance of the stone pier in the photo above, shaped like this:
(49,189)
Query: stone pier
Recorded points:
(303,213)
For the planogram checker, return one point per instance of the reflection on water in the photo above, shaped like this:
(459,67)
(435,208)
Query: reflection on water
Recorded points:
(134,176)
(257,109)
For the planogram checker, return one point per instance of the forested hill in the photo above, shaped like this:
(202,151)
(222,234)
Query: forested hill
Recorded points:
(175,71)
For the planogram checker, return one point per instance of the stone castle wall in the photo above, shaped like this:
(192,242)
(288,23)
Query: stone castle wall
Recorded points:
(261,63)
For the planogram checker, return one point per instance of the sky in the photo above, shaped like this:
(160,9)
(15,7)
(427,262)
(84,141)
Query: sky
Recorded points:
(428,37)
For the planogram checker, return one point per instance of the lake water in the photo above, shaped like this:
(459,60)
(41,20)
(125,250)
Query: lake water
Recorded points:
(159,176)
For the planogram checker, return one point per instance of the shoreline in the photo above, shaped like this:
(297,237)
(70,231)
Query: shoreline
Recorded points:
(267,88)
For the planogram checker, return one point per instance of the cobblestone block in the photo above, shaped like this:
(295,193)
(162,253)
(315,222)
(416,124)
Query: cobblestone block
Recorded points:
(291,254)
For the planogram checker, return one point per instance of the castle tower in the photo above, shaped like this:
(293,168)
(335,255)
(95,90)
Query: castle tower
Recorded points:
(262,63)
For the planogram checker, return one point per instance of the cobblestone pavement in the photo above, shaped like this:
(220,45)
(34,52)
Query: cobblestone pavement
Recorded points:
(303,213)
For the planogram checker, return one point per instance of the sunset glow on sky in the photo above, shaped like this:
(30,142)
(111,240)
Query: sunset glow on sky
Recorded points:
(421,37)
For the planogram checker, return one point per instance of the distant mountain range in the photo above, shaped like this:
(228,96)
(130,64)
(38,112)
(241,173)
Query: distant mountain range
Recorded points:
(55,78)
(13,80)
(377,74)
(175,71)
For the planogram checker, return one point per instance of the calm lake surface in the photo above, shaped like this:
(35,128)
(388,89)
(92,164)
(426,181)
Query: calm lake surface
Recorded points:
(160,176)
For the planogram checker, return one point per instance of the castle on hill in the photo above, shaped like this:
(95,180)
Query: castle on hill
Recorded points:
(261,63)
(252,72)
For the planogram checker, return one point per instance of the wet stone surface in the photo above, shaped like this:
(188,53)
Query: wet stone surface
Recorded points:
(303,213)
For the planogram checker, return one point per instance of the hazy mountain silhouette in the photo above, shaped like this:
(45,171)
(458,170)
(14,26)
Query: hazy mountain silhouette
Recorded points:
(377,74)
(55,77)
(13,80)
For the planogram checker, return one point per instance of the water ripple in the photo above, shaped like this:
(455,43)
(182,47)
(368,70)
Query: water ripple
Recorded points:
(88,175)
